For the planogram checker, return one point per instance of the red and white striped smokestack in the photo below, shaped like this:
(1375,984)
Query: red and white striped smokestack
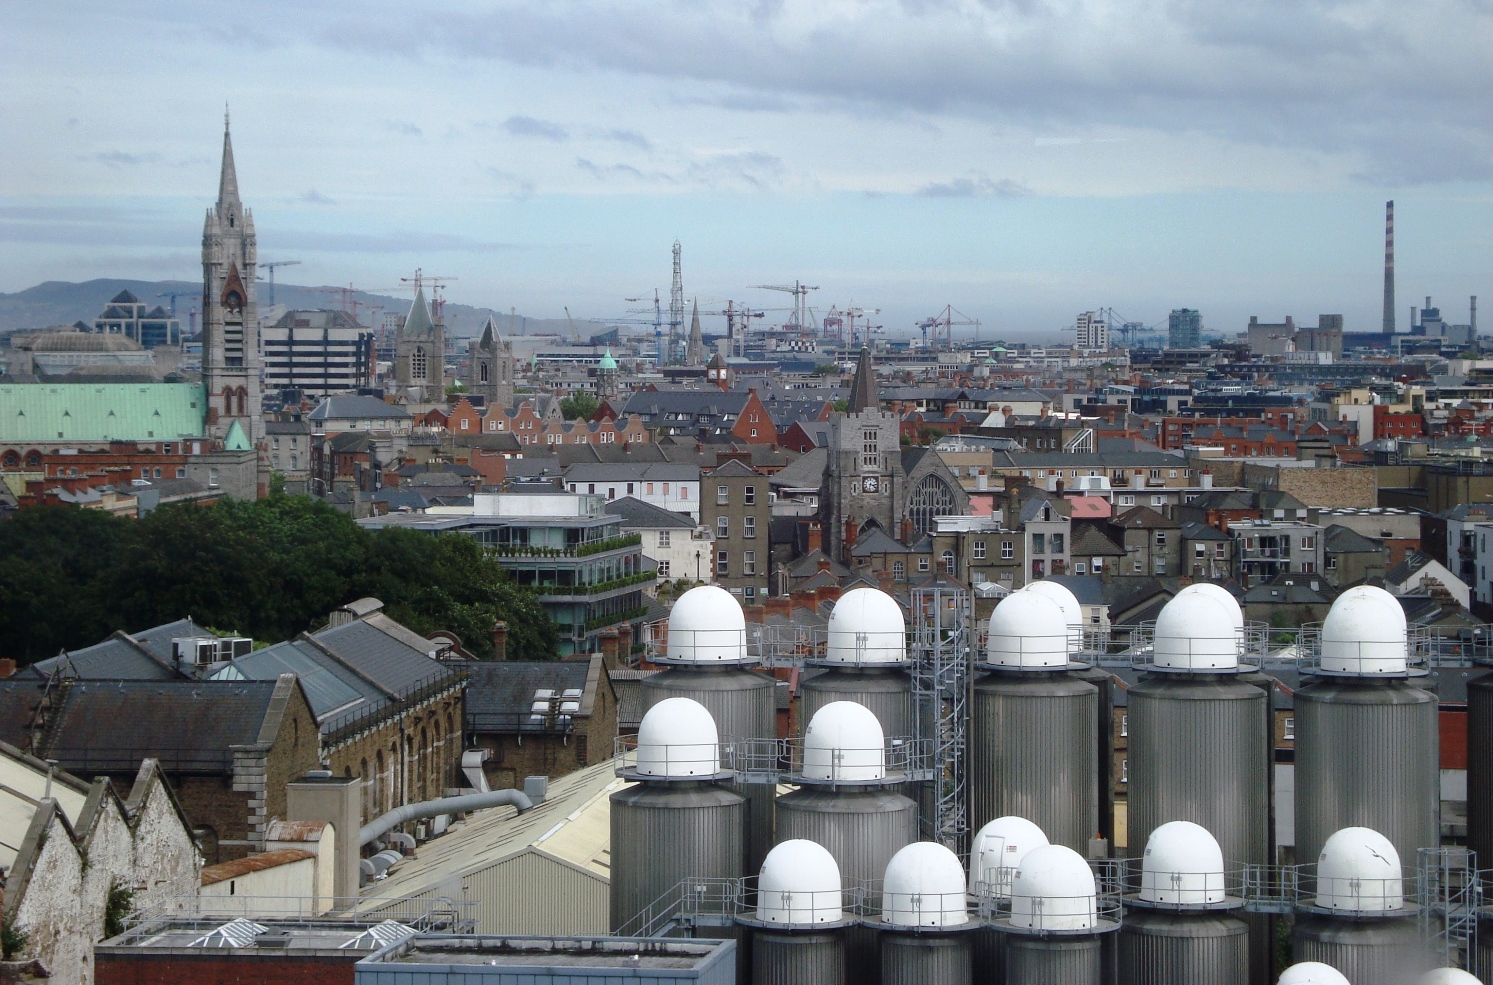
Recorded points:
(1389,268)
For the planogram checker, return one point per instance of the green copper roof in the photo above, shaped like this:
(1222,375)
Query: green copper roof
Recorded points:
(236,440)
(607,362)
(43,412)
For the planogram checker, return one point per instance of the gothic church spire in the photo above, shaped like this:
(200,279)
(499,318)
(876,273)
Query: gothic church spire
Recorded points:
(228,178)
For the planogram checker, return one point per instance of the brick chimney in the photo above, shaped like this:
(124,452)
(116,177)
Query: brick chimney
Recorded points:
(824,564)
(816,538)
(624,642)
(609,641)
(829,593)
(7,667)
(500,640)
(779,606)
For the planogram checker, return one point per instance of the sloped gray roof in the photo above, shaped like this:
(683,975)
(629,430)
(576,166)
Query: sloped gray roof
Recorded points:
(383,652)
(804,472)
(331,689)
(638,515)
(877,542)
(353,406)
(500,693)
(1339,539)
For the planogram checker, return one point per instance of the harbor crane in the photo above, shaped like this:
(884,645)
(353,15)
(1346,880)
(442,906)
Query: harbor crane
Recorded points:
(942,325)
(800,292)
(173,295)
(437,285)
(271,268)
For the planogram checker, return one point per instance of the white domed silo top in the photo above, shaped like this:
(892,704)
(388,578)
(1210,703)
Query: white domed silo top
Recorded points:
(1053,889)
(1364,633)
(844,741)
(799,884)
(1448,976)
(1312,973)
(706,626)
(1068,602)
(1359,870)
(997,851)
(866,626)
(1220,595)
(677,738)
(924,887)
(1195,632)
(1182,865)
(1028,632)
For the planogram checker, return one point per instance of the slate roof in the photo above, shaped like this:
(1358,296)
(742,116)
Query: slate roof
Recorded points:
(501,693)
(878,542)
(19,697)
(1201,531)
(687,409)
(145,655)
(1032,508)
(191,726)
(331,689)
(1088,589)
(1406,569)
(804,472)
(627,684)
(101,411)
(1338,539)
(373,648)
(734,467)
(1138,517)
(353,407)
(638,515)
(808,564)
(1090,541)
(634,471)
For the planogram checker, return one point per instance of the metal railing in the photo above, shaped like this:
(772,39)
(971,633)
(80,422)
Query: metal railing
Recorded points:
(1363,657)
(671,761)
(782,760)
(448,677)
(1451,894)
(439,914)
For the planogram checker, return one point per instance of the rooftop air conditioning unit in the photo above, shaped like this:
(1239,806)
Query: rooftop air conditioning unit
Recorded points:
(233,647)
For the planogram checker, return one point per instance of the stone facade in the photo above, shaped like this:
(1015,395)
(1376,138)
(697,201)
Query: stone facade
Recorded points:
(735,508)
(1318,488)
(420,353)
(492,366)
(410,755)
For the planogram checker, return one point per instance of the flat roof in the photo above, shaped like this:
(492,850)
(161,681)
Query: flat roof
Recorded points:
(538,954)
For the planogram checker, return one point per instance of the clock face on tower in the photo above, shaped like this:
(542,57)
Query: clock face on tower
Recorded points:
(869,483)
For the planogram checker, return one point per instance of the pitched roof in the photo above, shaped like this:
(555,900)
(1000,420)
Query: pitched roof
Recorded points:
(878,542)
(101,411)
(1144,517)
(804,472)
(500,694)
(417,323)
(734,467)
(353,406)
(1338,539)
(638,515)
(863,388)
(331,689)
(384,652)
(1201,531)
(1089,541)
(1088,589)
(1406,569)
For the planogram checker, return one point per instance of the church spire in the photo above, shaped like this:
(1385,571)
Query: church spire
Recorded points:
(694,350)
(228,178)
(863,389)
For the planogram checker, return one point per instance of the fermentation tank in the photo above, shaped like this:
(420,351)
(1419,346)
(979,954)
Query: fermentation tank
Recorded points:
(1312,973)
(1034,742)
(846,801)
(1055,925)
(865,661)
(995,853)
(1367,742)
(925,923)
(797,927)
(1181,926)
(679,820)
(706,661)
(1353,914)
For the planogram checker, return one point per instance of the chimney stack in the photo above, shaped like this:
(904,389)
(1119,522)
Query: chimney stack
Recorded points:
(1472,319)
(500,640)
(1389,268)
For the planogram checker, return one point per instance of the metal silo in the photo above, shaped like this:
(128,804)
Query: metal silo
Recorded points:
(1055,925)
(1367,742)
(1480,769)
(925,922)
(865,661)
(798,924)
(679,820)
(1180,922)
(1353,914)
(1034,726)
(995,853)
(846,802)
(707,662)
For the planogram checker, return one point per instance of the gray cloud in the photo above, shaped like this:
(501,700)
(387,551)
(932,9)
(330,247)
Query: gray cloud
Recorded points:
(528,126)
(604,172)
(627,137)
(313,197)
(752,169)
(518,186)
(399,241)
(976,186)
(404,128)
(122,159)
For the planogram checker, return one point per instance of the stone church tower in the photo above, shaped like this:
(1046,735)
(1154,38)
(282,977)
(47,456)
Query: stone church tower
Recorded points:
(492,367)
(420,353)
(230,313)
(864,486)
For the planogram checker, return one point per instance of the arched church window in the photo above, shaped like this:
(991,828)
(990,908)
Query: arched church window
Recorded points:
(931,497)
(482,370)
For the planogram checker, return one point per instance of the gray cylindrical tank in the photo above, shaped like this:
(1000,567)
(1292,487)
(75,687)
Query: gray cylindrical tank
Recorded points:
(1033,753)
(1053,960)
(1163,948)
(1367,952)
(1198,753)
(1367,756)
(676,831)
(1482,965)
(886,692)
(1480,767)
(744,705)
(925,959)
(781,957)
(989,955)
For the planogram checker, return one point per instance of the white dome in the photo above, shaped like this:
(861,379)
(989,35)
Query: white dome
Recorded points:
(844,741)
(1053,889)
(1195,632)
(1312,973)
(1359,870)
(800,884)
(677,738)
(1448,976)
(1068,602)
(1220,595)
(707,625)
(1028,631)
(1364,633)
(997,850)
(1183,864)
(924,887)
(866,627)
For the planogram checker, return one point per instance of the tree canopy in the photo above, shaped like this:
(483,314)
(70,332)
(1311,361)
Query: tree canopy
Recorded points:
(579,405)
(269,569)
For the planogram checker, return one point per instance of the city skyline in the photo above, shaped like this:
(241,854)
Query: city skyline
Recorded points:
(537,157)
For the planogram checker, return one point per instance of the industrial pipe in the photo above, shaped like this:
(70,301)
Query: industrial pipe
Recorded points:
(445,805)
(403,840)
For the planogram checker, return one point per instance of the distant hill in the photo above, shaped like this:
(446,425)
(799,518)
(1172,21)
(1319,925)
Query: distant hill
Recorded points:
(59,302)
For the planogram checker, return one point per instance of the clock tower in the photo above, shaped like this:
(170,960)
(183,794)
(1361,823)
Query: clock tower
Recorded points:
(864,484)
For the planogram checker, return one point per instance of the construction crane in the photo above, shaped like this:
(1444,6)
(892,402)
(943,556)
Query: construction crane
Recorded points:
(800,294)
(271,268)
(942,325)
(348,296)
(173,295)
(437,284)
(657,323)
(1124,328)
(843,323)
(573,330)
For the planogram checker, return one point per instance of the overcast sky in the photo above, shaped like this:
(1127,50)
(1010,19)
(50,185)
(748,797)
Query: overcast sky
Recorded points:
(1022,160)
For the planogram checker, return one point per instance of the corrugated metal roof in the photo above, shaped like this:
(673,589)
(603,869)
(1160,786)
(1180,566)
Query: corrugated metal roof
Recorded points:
(101,411)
